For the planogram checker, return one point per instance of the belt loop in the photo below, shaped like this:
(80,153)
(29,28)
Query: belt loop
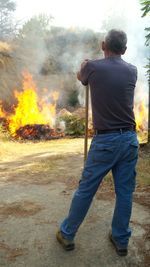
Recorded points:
(120,131)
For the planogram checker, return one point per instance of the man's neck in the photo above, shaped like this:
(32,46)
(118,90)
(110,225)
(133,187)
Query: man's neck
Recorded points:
(111,54)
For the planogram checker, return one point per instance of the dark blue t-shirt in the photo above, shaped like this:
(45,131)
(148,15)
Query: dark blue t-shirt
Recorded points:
(112,83)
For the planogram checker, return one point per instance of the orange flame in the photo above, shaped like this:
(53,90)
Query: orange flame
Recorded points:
(2,113)
(31,110)
(141,116)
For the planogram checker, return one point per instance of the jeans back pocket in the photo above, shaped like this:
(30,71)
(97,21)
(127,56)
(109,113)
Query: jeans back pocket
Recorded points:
(103,153)
(133,150)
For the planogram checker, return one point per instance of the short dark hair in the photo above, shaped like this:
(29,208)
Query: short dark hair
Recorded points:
(116,41)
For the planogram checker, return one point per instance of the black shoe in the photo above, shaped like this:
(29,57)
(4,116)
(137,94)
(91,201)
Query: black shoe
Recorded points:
(120,251)
(66,244)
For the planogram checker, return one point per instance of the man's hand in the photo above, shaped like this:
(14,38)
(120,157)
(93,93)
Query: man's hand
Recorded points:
(82,66)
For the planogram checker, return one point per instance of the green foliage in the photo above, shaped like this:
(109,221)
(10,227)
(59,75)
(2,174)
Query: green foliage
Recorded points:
(36,27)
(145,7)
(7,7)
(75,126)
(147,42)
(148,71)
(73,98)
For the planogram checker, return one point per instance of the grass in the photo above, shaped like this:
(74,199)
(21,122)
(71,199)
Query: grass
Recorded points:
(57,160)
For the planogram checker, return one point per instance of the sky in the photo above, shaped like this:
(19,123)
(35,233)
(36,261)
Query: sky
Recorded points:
(78,13)
(66,13)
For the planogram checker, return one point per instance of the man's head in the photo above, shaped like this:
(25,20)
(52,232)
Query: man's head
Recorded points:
(115,43)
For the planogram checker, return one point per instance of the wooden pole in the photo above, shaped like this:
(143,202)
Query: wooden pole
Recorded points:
(86,122)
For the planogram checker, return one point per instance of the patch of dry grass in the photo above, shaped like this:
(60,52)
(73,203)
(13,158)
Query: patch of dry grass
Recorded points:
(5,47)
(56,160)
(14,150)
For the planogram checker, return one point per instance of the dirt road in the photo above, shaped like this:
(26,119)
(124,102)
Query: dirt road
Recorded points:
(36,186)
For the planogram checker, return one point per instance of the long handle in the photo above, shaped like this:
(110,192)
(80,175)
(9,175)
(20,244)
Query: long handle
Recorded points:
(86,122)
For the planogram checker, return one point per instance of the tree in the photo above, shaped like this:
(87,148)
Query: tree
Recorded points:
(37,26)
(30,42)
(7,7)
(146,9)
(73,98)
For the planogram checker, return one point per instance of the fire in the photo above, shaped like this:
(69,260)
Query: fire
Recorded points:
(141,116)
(30,109)
(35,116)
(2,113)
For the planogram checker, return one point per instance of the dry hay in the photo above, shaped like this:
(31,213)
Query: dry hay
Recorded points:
(80,112)
(64,112)
(5,47)
(8,69)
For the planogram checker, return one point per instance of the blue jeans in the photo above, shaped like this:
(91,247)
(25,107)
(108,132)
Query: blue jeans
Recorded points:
(117,152)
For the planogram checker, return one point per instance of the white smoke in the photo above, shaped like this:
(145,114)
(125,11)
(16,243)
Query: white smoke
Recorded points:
(126,16)
(100,16)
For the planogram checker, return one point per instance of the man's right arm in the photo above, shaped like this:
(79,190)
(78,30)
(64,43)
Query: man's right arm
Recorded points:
(84,72)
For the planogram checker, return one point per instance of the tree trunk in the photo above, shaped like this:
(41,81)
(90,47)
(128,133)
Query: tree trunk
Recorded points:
(149,104)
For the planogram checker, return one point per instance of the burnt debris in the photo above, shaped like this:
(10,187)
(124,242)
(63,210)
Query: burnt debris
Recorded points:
(37,132)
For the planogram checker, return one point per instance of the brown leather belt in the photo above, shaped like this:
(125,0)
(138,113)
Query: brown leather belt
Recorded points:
(121,130)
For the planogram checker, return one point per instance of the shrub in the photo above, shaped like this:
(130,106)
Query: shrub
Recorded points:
(73,98)
(75,126)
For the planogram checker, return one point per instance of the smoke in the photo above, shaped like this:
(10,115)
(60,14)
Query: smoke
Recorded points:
(32,52)
(67,48)
(55,57)
(136,53)
(126,15)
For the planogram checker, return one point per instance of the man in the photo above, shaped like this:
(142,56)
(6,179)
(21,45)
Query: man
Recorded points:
(114,146)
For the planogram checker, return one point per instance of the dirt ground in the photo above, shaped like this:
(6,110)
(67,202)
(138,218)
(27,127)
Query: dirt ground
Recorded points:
(37,181)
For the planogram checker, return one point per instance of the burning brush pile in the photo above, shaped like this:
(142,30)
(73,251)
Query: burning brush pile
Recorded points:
(35,118)
(32,117)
